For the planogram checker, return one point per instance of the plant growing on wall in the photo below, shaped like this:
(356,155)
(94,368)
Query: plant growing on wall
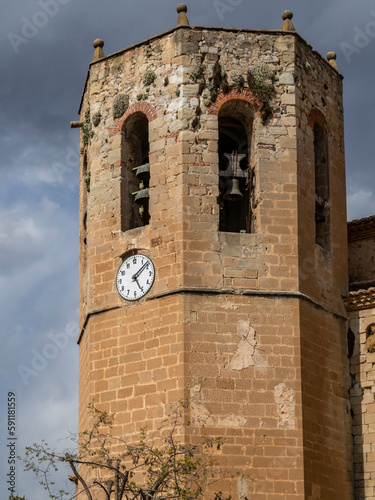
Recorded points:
(96,119)
(141,471)
(120,105)
(87,181)
(260,81)
(238,79)
(148,78)
(198,73)
(88,133)
(217,81)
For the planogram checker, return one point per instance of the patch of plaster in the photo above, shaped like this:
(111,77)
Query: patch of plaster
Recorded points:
(243,489)
(200,415)
(231,421)
(243,358)
(247,353)
(284,398)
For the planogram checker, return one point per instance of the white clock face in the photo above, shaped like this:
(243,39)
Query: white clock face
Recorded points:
(135,277)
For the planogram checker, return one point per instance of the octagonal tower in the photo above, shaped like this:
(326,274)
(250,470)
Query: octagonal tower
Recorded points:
(240,205)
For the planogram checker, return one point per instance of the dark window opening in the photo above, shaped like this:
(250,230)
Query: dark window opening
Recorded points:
(85,187)
(135,173)
(85,227)
(322,195)
(234,178)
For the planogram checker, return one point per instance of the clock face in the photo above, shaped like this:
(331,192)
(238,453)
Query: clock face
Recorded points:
(135,277)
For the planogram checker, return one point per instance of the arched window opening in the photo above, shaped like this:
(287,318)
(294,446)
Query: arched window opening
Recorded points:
(235,130)
(135,173)
(322,195)
(85,189)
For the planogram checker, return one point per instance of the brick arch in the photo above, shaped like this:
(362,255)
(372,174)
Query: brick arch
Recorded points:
(144,107)
(235,94)
(317,116)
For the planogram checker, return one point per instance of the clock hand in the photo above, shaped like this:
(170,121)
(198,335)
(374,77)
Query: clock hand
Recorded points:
(136,280)
(139,271)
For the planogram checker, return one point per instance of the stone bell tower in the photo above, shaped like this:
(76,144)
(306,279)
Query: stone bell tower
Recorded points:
(214,159)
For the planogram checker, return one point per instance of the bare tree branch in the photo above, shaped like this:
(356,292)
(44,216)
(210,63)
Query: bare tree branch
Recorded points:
(142,471)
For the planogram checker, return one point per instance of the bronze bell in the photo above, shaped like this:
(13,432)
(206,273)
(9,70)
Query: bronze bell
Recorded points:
(143,172)
(142,196)
(233,192)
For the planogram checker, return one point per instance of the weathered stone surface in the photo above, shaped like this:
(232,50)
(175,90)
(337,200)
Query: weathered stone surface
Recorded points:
(250,327)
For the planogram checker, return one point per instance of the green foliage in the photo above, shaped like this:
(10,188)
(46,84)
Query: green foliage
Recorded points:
(96,119)
(142,97)
(198,73)
(40,459)
(238,79)
(120,105)
(87,181)
(148,78)
(260,81)
(145,470)
(88,133)
(166,81)
(16,497)
(178,93)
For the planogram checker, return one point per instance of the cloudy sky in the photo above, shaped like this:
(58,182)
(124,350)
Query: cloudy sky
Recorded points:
(46,47)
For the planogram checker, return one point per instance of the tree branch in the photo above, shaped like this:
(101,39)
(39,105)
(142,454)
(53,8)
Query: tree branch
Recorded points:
(78,476)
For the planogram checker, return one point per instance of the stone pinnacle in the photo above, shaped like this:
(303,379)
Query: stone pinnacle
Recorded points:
(182,19)
(331,57)
(98,45)
(287,17)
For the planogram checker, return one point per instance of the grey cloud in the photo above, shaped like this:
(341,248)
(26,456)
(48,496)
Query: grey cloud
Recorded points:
(40,90)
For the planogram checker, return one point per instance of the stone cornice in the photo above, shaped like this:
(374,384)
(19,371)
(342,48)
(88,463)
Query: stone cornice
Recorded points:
(361,299)
(219,291)
(361,229)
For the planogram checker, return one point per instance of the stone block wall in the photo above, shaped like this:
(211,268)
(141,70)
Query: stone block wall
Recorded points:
(362,394)
(327,433)
(243,378)
(318,98)
(361,305)
(227,323)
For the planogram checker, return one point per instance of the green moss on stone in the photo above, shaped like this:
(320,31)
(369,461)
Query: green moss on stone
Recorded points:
(120,105)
